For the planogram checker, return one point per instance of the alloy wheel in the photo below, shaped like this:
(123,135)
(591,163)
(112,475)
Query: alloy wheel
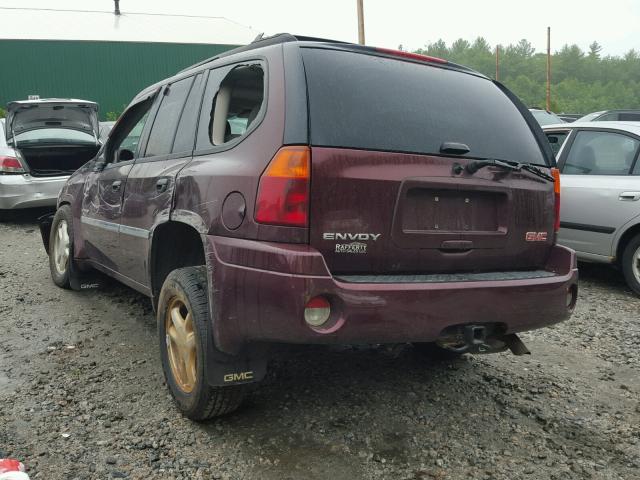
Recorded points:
(181,344)
(61,248)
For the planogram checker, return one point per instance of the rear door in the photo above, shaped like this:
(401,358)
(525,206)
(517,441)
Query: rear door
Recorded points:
(599,192)
(150,185)
(389,192)
(104,188)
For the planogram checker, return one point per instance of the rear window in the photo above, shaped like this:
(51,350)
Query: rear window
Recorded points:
(375,103)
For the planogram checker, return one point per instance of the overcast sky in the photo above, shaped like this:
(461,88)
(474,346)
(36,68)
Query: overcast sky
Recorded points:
(613,23)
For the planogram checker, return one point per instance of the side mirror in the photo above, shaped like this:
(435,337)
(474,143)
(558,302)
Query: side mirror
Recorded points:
(125,155)
(552,139)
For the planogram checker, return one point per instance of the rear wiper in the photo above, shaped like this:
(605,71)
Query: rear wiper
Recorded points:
(476,165)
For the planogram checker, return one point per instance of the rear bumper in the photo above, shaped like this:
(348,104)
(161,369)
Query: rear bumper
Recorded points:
(261,290)
(25,191)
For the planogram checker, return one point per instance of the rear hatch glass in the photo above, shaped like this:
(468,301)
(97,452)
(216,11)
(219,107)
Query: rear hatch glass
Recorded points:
(377,103)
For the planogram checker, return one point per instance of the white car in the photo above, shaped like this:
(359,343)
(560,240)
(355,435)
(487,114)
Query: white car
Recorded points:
(600,192)
(43,142)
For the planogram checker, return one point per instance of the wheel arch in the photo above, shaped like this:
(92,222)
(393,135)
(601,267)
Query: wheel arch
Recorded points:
(174,244)
(624,239)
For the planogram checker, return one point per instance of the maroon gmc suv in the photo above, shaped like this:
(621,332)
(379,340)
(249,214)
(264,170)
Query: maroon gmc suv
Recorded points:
(300,190)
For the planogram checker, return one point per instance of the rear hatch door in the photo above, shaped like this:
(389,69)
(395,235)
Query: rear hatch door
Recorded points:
(388,198)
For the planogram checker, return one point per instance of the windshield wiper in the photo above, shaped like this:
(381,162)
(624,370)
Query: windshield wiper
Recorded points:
(476,165)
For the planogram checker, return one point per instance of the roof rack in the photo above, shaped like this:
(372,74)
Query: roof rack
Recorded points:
(261,41)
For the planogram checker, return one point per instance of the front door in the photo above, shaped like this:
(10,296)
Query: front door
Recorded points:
(104,189)
(599,191)
(150,186)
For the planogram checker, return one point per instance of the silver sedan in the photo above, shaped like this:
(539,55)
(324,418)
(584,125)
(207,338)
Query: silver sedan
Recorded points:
(600,192)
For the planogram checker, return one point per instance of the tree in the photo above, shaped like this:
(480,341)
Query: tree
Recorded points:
(594,50)
(581,82)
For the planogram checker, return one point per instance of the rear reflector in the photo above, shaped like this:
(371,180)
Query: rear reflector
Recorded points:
(283,193)
(411,56)
(317,311)
(10,165)
(555,173)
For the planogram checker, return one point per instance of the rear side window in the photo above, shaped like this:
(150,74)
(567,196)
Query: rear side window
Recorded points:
(600,153)
(186,133)
(375,103)
(164,126)
(233,99)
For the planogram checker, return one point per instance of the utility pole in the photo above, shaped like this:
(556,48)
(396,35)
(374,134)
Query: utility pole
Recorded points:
(548,68)
(497,62)
(360,22)
(117,7)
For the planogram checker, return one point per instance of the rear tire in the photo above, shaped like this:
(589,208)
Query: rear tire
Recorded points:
(184,333)
(61,247)
(631,264)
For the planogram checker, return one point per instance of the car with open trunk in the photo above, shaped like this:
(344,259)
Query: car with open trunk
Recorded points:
(43,142)
(299,190)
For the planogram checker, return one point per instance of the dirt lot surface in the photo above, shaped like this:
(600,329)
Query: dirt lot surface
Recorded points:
(82,396)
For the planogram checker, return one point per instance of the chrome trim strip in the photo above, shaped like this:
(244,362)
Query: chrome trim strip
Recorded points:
(94,222)
(115,227)
(134,231)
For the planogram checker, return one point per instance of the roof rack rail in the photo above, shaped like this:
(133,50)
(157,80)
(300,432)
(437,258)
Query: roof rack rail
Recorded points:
(261,41)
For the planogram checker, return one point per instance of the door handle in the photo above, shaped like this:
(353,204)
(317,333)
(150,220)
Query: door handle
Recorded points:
(115,186)
(629,196)
(162,184)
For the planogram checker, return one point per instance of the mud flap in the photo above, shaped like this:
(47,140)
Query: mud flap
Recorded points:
(248,366)
(44,222)
(79,280)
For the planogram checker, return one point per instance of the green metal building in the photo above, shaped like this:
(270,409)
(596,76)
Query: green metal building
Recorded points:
(109,73)
(102,57)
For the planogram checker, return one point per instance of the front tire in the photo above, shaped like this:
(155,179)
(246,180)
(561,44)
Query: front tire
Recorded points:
(631,264)
(184,333)
(61,247)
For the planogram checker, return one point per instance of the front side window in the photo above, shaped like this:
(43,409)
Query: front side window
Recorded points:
(600,153)
(125,138)
(164,126)
(231,104)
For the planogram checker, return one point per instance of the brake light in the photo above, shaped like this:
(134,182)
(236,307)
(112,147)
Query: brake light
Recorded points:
(555,173)
(411,56)
(283,193)
(10,165)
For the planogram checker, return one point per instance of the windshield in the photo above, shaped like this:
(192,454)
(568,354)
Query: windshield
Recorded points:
(589,117)
(376,103)
(546,118)
(55,135)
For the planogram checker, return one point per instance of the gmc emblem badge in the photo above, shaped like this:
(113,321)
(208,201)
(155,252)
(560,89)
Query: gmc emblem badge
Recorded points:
(535,236)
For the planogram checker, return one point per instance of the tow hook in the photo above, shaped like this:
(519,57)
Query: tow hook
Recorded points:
(475,337)
(481,338)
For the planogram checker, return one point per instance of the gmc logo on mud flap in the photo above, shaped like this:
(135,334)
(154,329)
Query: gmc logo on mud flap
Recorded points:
(238,377)
(535,236)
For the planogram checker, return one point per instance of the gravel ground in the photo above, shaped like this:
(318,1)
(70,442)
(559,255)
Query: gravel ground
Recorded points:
(82,396)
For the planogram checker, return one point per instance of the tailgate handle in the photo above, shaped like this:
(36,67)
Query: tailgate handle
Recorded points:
(629,196)
(456,245)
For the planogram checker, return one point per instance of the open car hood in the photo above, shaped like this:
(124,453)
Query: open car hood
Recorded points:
(23,116)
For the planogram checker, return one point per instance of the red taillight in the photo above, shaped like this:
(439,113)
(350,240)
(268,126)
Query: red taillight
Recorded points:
(555,173)
(10,165)
(412,56)
(283,193)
